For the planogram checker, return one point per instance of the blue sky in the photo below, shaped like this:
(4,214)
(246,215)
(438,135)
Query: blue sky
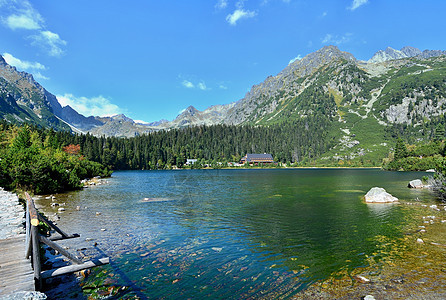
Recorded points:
(151,59)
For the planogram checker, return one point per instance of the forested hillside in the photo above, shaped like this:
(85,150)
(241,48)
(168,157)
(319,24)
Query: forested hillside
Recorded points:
(289,142)
(32,160)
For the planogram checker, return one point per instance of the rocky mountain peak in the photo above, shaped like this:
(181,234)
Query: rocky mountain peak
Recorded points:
(411,51)
(121,118)
(389,54)
(2,61)
(190,111)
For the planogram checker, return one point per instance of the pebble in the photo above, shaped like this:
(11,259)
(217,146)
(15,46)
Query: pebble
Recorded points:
(369,297)
(61,209)
(26,295)
(11,215)
(98,213)
(420,241)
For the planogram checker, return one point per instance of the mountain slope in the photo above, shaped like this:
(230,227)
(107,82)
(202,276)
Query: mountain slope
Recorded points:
(22,99)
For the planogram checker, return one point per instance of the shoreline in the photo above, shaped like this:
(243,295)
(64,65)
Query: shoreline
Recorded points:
(420,274)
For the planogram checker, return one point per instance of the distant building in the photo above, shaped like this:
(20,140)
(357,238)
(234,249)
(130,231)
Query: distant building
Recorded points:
(256,159)
(190,161)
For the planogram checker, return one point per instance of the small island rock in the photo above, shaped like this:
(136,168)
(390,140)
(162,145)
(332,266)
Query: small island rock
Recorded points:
(379,195)
(415,184)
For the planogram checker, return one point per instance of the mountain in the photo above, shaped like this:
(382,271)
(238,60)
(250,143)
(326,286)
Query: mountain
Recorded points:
(22,99)
(360,106)
(405,52)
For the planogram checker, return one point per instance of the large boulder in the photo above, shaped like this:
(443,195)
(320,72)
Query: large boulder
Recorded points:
(379,195)
(416,184)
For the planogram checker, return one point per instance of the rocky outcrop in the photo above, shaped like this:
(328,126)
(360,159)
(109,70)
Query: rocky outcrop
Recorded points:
(379,195)
(405,52)
(390,54)
(415,184)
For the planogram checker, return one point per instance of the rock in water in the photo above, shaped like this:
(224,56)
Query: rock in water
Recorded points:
(415,184)
(379,195)
(361,279)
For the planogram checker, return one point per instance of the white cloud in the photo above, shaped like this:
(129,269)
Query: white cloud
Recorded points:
(202,86)
(222,87)
(324,14)
(141,122)
(95,106)
(357,3)
(239,14)
(22,22)
(20,14)
(39,76)
(50,42)
(299,57)
(22,64)
(221,4)
(188,84)
(335,39)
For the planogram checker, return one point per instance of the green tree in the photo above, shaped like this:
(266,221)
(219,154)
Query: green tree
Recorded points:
(400,149)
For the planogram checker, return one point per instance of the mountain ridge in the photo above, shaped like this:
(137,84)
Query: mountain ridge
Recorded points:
(350,93)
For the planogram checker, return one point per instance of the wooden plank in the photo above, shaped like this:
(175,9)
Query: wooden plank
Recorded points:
(16,273)
(75,268)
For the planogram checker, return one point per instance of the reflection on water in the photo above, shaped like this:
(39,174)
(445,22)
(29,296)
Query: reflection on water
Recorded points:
(380,209)
(234,233)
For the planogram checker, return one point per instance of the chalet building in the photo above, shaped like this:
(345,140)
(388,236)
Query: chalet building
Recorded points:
(191,161)
(256,159)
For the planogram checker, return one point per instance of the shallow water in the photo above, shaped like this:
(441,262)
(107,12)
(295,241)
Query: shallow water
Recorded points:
(233,234)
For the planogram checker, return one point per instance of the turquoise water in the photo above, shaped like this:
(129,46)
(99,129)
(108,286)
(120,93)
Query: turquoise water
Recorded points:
(231,234)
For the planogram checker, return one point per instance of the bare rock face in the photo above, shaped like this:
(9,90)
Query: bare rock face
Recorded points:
(379,195)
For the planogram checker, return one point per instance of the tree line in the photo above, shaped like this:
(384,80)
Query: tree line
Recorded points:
(298,141)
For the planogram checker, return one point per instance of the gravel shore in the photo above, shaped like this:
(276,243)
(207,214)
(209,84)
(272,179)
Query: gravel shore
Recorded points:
(12,215)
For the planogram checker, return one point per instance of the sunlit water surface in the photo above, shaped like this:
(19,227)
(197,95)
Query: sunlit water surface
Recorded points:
(234,234)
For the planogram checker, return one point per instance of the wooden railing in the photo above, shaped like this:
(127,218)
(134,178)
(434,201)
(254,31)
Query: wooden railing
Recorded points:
(34,238)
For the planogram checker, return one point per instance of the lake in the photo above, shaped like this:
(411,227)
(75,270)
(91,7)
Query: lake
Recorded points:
(232,234)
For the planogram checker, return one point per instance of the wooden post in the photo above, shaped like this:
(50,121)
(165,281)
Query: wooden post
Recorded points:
(36,257)
(34,217)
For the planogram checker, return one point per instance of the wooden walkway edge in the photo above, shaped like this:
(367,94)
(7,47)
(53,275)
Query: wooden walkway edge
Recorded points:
(20,257)
(16,273)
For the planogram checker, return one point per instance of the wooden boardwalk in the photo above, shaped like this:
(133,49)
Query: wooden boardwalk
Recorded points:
(16,273)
